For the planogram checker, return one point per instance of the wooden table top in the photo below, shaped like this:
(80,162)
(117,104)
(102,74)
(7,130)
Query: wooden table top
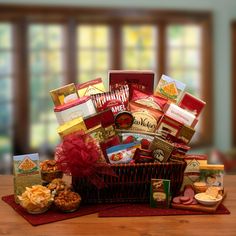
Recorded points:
(11,223)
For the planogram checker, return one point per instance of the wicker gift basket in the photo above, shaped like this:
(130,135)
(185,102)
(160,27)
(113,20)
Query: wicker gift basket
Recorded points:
(131,183)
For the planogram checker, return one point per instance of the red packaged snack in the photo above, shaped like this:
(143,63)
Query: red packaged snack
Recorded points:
(167,125)
(155,102)
(141,79)
(113,141)
(143,156)
(192,104)
(117,100)
(105,118)
(145,118)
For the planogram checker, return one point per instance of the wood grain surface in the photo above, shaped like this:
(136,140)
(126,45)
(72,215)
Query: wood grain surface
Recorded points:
(13,224)
(199,207)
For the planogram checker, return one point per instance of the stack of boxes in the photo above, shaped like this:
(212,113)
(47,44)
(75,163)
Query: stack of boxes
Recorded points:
(167,113)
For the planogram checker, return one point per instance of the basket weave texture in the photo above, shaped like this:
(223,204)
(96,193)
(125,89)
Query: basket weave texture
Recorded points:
(132,183)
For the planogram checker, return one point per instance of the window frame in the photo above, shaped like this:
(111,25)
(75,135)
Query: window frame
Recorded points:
(21,16)
(233,57)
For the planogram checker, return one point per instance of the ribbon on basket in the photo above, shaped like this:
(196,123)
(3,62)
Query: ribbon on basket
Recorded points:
(78,155)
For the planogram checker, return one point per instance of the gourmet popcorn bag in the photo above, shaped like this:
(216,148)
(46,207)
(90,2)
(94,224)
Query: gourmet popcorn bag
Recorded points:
(113,143)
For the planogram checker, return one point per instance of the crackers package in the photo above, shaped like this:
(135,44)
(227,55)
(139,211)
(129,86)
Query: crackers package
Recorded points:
(91,87)
(63,95)
(192,170)
(26,171)
(145,118)
(170,88)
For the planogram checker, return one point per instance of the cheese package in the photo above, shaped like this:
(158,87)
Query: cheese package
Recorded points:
(26,171)
(64,94)
(91,87)
(71,127)
(170,88)
(212,175)
(140,79)
(80,107)
(181,115)
(192,104)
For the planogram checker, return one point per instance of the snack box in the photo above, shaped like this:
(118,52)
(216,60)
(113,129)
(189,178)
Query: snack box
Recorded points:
(145,118)
(212,175)
(105,119)
(64,94)
(80,107)
(192,104)
(181,115)
(192,171)
(149,100)
(167,125)
(160,193)
(140,79)
(71,127)
(91,87)
(117,100)
(170,88)
(26,171)
(161,149)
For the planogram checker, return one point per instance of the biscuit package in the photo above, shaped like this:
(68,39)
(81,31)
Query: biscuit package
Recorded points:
(63,95)
(170,88)
(91,87)
(26,171)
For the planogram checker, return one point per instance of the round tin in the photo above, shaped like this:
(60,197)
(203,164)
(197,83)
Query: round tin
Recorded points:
(124,120)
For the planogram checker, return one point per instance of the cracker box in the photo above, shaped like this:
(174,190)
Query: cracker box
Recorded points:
(79,107)
(26,171)
(170,88)
(167,125)
(161,149)
(63,95)
(192,171)
(145,118)
(91,87)
(160,193)
(71,127)
(180,115)
(192,104)
(141,79)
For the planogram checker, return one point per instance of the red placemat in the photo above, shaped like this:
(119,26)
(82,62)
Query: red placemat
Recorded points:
(129,210)
(105,210)
(53,215)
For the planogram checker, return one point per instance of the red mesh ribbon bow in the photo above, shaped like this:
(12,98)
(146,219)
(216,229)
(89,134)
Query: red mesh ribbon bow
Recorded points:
(78,156)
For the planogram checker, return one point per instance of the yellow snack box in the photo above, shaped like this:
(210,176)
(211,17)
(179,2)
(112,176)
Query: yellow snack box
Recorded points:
(91,87)
(26,171)
(71,127)
(64,94)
